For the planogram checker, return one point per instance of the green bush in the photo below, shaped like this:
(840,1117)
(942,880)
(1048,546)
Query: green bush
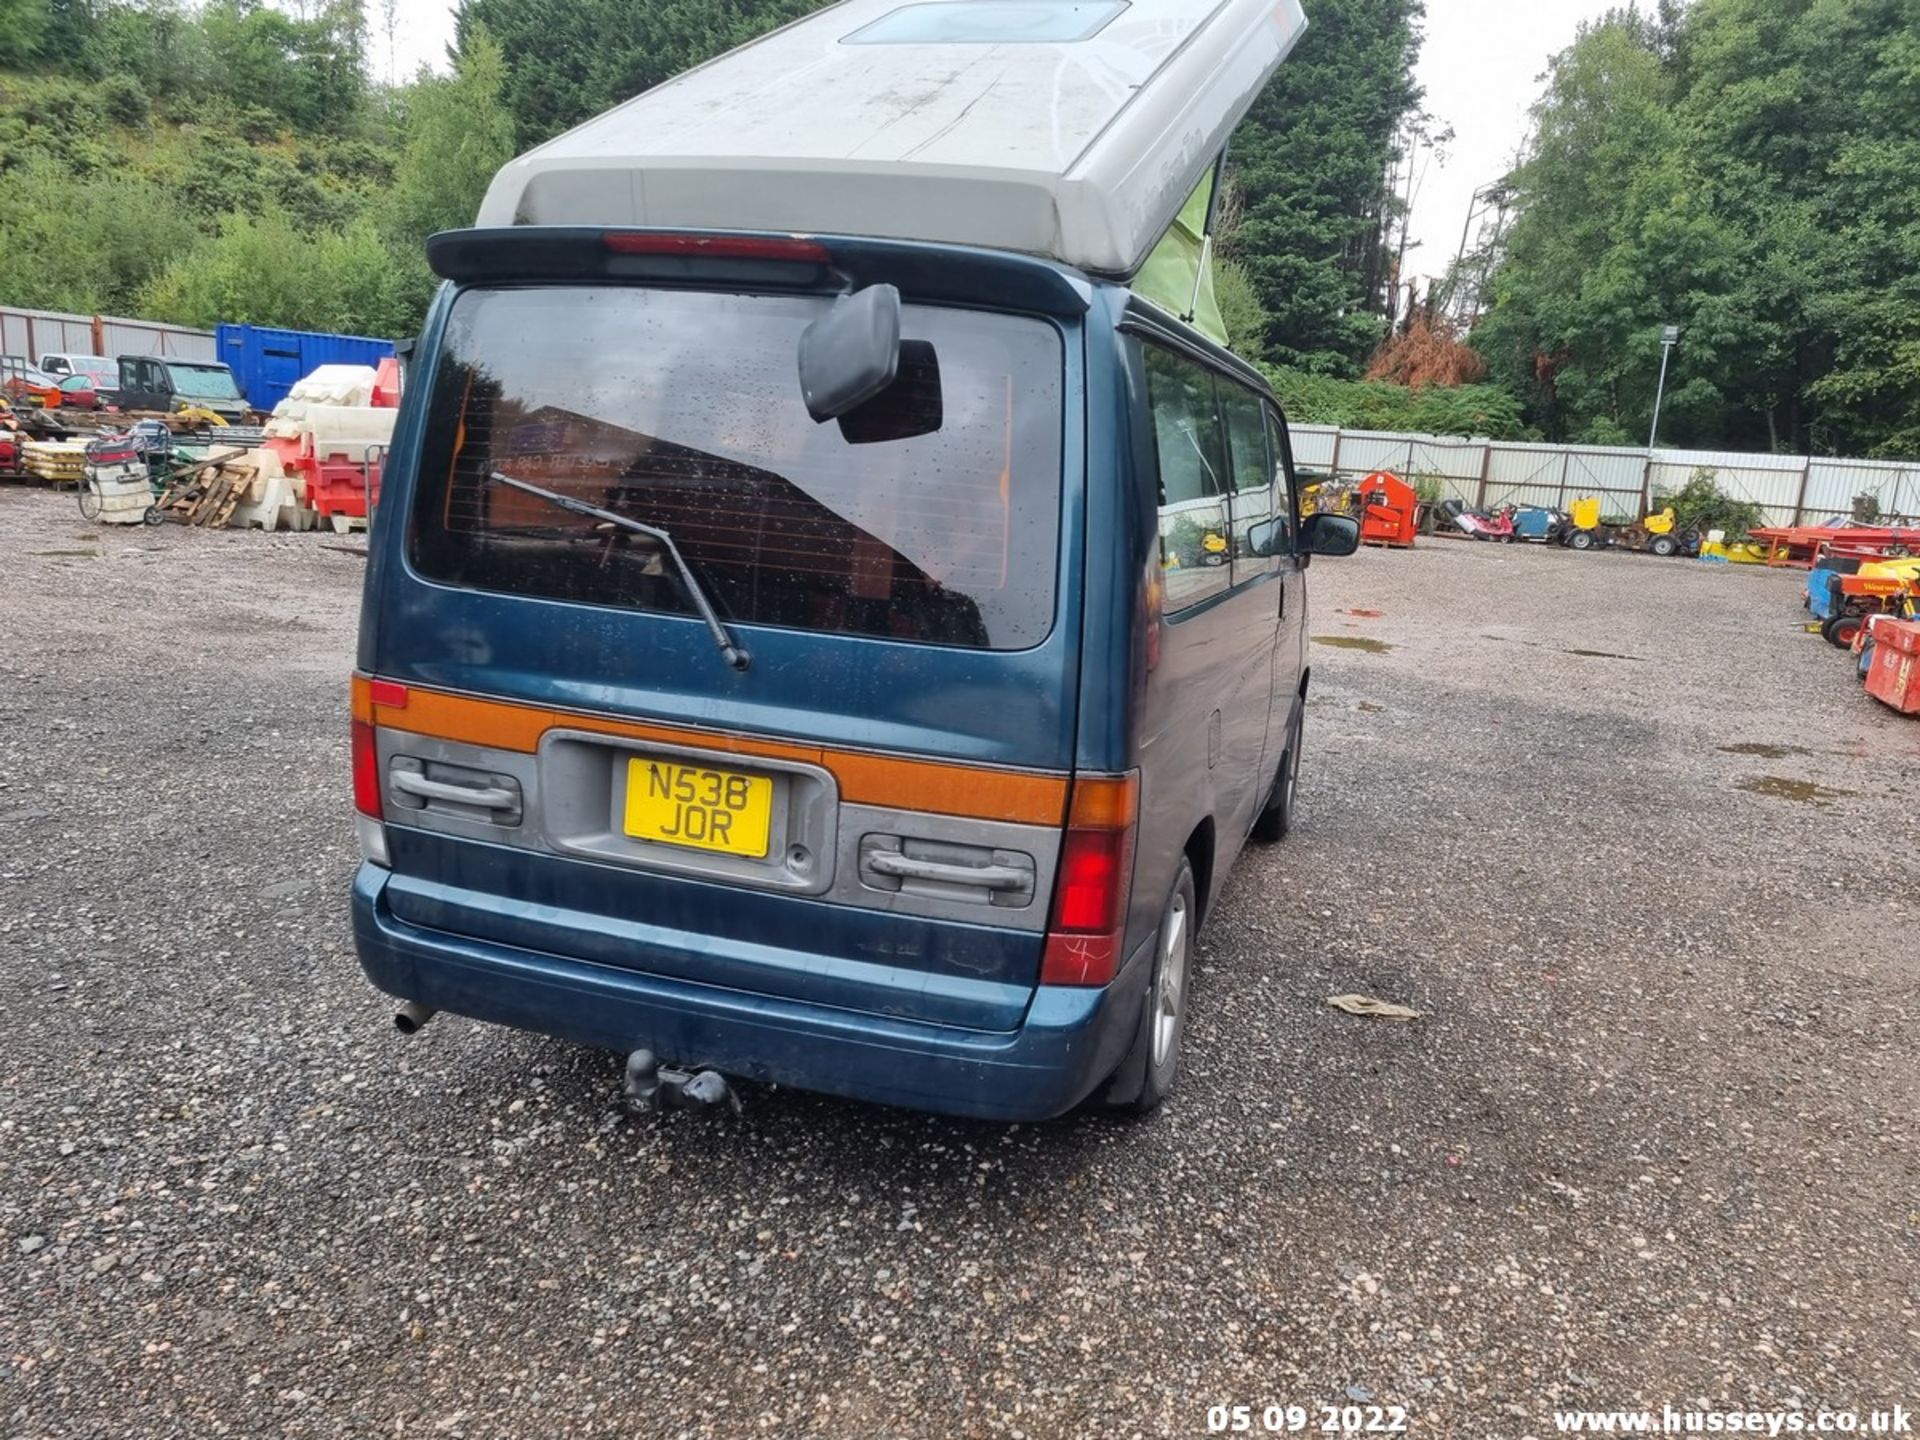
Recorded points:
(266,270)
(85,244)
(1702,505)
(1477,411)
(1246,318)
(124,102)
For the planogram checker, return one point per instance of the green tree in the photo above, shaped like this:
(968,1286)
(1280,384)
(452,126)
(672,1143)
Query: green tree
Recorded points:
(458,133)
(24,27)
(1750,171)
(1310,162)
(309,72)
(570,59)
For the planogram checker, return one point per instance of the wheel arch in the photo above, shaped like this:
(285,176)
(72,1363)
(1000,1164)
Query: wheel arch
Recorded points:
(1200,851)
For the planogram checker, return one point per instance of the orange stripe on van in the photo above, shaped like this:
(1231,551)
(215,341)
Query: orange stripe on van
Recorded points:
(937,787)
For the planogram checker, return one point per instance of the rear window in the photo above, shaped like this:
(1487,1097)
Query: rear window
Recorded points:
(682,410)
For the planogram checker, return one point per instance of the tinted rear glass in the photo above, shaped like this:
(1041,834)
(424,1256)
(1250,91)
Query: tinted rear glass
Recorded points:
(682,409)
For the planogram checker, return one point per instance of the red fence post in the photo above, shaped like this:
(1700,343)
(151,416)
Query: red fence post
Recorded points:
(99,328)
(1486,471)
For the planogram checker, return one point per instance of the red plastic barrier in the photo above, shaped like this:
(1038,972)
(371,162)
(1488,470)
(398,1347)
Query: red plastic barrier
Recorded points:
(386,384)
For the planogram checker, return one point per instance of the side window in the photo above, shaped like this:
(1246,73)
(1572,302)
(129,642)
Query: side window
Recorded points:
(1253,471)
(1195,533)
(1286,486)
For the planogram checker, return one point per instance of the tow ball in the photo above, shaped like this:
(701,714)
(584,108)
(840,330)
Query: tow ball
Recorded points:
(652,1087)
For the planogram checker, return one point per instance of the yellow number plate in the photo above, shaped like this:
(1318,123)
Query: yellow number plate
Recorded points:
(699,808)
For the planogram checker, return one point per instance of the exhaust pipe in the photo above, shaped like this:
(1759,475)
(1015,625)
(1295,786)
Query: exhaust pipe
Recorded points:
(411,1017)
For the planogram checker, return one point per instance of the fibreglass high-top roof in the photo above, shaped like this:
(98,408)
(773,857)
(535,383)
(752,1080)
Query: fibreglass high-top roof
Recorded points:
(1053,127)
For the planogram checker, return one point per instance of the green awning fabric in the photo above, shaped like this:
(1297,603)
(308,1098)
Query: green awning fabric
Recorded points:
(1167,278)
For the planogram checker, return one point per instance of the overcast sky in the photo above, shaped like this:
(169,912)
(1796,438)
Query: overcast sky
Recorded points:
(1480,67)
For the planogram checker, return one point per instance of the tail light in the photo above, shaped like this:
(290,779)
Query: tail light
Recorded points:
(366,771)
(367,786)
(1095,882)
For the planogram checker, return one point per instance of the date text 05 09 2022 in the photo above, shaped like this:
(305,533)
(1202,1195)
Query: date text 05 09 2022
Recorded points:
(1281,1419)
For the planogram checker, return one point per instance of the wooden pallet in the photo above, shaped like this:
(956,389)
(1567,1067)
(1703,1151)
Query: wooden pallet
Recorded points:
(208,493)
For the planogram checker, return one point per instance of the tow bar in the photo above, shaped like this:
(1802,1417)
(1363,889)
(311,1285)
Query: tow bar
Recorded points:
(652,1087)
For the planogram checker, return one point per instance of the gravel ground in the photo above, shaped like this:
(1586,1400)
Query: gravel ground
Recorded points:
(1653,1142)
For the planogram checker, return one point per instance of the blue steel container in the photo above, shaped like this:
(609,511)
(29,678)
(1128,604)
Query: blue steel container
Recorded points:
(267,363)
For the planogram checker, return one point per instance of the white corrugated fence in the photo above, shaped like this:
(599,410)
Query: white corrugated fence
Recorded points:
(1790,489)
(33,333)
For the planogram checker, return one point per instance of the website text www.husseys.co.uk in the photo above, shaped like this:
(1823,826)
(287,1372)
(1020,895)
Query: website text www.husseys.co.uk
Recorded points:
(1669,1421)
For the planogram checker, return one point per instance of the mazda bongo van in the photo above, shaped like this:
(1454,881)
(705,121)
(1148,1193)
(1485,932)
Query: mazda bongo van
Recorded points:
(834,659)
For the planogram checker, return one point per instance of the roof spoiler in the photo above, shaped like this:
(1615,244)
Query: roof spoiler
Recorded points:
(756,261)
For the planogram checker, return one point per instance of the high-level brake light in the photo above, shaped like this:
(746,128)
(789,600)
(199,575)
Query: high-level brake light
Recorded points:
(720,247)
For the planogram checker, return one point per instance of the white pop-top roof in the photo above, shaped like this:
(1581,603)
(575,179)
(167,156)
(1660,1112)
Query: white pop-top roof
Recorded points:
(1074,130)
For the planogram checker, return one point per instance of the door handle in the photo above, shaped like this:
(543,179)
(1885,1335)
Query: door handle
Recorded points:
(489,797)
(911,867)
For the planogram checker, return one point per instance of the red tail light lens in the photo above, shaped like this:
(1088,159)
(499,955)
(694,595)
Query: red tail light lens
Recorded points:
(1096,880)
(1091,884)
(720,247)
(366,771)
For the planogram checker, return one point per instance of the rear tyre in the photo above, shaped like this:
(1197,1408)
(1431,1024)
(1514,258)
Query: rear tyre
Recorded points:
(1154,1056)
(1275,822)
(1664,546)
(1841,631)
(1580,540)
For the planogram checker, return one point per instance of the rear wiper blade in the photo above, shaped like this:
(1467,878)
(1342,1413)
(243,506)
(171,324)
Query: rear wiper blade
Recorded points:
(730,650)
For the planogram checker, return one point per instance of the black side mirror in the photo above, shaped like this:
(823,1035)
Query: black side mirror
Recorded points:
(1263,540)
(1330,535)
(852,353)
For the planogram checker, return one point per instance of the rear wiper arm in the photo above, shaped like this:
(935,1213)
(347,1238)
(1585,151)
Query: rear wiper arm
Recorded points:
(730,651)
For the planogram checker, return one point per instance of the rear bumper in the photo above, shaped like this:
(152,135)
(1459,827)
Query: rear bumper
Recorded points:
(1070,1040)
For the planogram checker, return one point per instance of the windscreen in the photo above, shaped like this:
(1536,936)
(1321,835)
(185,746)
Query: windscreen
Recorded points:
(682,410)
(208,382)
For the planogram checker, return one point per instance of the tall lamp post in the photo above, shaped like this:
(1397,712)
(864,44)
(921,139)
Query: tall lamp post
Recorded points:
(1669,337)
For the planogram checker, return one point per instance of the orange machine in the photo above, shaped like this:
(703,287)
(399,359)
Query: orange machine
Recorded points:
(1389,511)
